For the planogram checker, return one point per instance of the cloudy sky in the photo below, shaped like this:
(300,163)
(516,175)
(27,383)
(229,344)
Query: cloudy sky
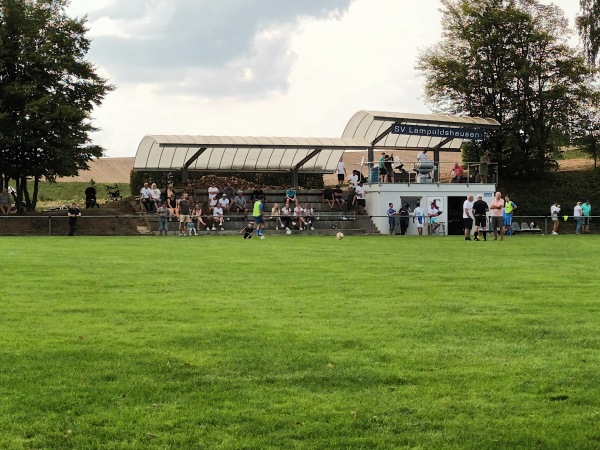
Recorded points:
(255,67)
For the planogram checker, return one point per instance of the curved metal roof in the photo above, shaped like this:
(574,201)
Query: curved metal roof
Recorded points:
(242,154)
(371,125)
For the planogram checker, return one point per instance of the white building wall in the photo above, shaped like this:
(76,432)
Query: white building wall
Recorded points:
(379,195)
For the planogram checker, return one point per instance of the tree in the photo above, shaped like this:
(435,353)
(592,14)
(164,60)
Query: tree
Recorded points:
(588,24)
(48,91)
(507,59)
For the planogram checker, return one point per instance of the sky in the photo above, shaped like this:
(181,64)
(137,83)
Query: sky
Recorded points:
(256,67)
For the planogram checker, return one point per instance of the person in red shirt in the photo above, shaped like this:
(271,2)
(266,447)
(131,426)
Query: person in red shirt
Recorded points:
(457,173)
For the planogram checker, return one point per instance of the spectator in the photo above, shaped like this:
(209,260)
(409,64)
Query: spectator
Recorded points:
(340,171)
(586,209)
(183,212)
(457,173)
(286,217)
(496,208)
(276,216)
(299,214)
(213,202)
(554,212)
(213,192)
(328,198)
(507,217)
(468,216)
(73,213)
(163,216)
(156,202)
(197,216)
(170,190)
(480,209)
(191,228)
(247,230)
(433,214)
(361,201)
(338,197)
(146,197)
(483,169)
(206,216)
(391,213)
(238,204)
(389,169)
(578,216)
(404,214)
(309,215)
(381,167)
(218,216)
(351,201)
(419,215)
(224,203)
(172,205)
(422,155)
(229,192)
(5,202)
(353,179)
(290,196)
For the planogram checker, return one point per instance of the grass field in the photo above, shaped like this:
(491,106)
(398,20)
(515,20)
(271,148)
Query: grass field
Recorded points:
(300,342)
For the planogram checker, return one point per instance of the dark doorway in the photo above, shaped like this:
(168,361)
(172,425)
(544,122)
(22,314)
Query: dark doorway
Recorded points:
(455,215)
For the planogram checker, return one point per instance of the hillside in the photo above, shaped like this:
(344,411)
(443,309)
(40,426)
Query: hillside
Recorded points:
(104,170)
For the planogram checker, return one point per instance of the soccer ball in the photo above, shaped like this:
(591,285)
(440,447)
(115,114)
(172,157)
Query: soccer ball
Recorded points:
(339,235)
(288,232)
(262,236)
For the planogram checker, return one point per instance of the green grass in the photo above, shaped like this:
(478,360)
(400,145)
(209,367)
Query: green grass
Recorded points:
(300,342)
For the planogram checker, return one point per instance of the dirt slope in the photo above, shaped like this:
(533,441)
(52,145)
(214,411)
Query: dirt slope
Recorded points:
(105,170)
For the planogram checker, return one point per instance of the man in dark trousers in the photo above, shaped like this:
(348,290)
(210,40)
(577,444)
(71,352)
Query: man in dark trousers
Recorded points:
(480,208)
(73,213)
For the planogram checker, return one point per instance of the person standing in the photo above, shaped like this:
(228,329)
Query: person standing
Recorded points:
(404,214)
(578,216)
(586,209)
(554,212)
(497,207)
(509,208)
(183,211)
(5,202)
(361,201)
(340,171)
(258,214)
(163,216)
(420,216)
(391,213)
(381,167)
(468,216)
(480,209)
(73,213)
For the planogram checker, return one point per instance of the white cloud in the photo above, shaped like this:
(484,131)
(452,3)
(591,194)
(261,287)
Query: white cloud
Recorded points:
(294,75)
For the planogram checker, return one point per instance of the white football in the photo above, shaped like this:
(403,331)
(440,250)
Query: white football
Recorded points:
(339,235)
(288,232)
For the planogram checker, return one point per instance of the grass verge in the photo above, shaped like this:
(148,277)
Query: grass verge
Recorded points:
(299,342)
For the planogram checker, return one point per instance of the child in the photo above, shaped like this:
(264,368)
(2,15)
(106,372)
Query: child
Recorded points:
(163,216)
(391,213)
(191,229)
(248,230)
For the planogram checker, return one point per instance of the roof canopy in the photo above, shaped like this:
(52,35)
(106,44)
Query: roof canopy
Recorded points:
(375,126)
(242,154)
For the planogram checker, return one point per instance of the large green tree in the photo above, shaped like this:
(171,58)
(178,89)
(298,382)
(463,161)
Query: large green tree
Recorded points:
(588,24)
(48,90)
(509,60)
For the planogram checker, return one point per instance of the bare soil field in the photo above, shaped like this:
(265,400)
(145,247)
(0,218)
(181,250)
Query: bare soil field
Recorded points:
(105,170)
